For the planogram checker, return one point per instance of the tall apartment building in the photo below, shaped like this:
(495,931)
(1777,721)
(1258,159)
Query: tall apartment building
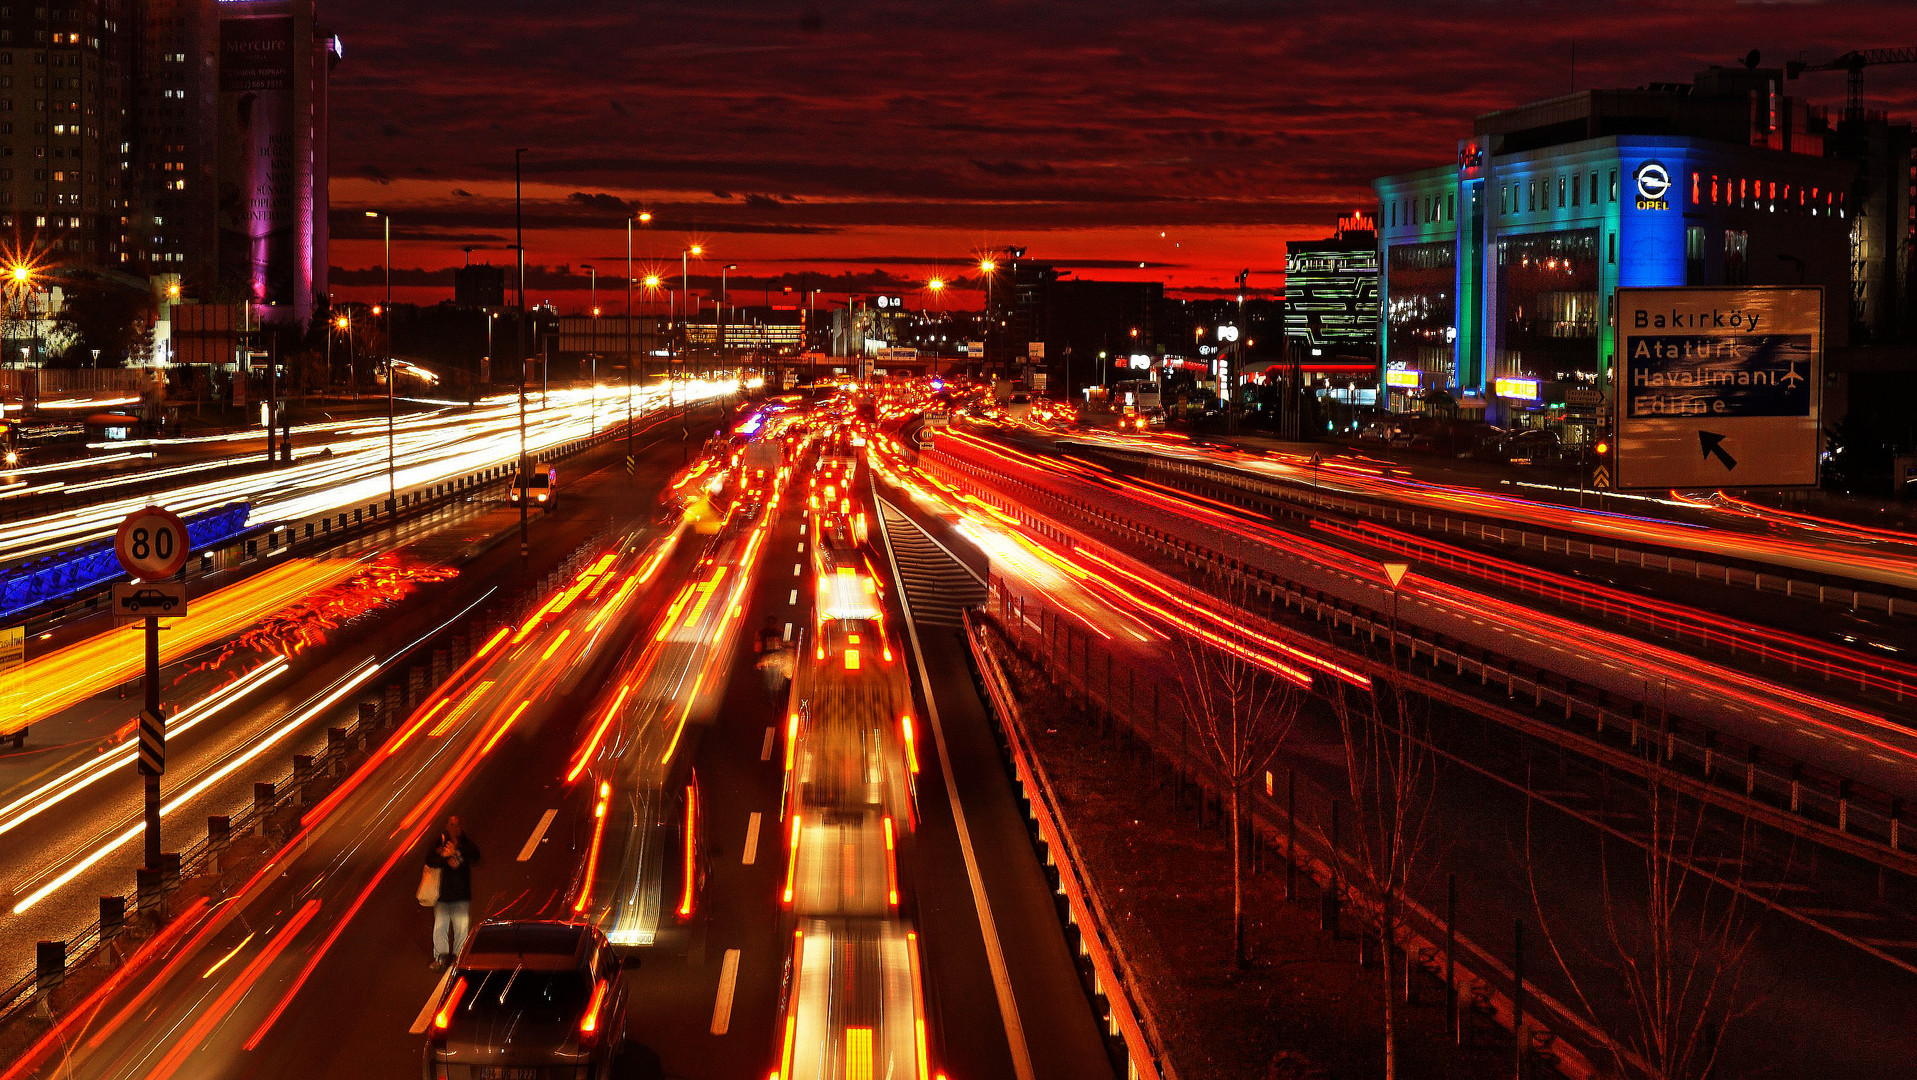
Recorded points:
(64,81)
(175,137)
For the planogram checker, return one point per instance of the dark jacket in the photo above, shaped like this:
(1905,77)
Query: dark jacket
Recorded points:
(455,881)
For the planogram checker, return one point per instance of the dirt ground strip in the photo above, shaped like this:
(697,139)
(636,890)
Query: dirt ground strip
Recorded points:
(1305,1010)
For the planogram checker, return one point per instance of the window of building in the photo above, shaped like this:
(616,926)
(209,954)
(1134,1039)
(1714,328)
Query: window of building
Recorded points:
(1694,255)
(1577,189)
(1737,243)
(1531,195)
(1560,193)
(1613,185)
(1451,206)
(1420,323)
(1547,304)
(1611,250)
(1504,198)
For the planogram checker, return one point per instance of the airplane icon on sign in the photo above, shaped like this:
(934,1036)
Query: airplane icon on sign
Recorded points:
(1791,378)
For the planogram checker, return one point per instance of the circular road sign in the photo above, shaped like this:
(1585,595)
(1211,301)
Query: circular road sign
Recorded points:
(151,543)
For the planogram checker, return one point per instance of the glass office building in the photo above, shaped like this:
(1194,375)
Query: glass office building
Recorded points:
(1500,269)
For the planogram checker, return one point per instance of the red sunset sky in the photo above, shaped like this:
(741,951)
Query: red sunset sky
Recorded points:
(873,145)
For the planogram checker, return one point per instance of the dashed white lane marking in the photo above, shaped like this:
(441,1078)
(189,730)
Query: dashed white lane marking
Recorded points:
(797,569)
(538,833)
(752,841)
(432,1002)
(794,598)
(788,631)
(802,547)
(728,979)
(765,748)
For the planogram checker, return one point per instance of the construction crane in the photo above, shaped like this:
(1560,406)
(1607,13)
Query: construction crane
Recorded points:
(1853,64)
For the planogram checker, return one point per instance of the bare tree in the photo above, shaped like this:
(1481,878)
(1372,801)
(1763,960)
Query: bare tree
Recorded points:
(1390,772)
(1240,704)
(1676,940)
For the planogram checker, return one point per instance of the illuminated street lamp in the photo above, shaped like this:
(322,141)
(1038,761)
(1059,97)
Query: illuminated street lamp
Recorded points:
(987,268)
(685,282)
(344,325)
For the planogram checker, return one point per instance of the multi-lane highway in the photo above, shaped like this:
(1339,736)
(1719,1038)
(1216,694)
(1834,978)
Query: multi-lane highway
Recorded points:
(791,899)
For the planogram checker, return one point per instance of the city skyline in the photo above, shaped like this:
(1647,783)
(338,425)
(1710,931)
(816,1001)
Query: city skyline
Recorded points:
(869,148)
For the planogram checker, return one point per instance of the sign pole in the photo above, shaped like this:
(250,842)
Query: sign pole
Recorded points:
(151,545)
(152,757)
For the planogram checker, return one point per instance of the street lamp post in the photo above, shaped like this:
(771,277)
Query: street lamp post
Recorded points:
(392,488)
(986,270)
(685,282)
(719,315)
(344,324)
(592,420)
(519,246)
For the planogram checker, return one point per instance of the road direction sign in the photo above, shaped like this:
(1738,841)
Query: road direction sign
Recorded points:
(1719,387)
(166,599)
(151,543)
(1600,478)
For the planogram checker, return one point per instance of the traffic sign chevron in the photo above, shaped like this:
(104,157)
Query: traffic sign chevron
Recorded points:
(152,744)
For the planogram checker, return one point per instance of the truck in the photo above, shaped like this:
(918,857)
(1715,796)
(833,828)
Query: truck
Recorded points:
(537,485)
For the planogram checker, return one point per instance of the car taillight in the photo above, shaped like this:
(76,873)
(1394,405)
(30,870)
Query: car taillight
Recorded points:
(444,1017)
(589,1023)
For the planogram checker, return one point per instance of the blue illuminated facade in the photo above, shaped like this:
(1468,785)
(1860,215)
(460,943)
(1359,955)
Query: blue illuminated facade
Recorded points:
(1500,271)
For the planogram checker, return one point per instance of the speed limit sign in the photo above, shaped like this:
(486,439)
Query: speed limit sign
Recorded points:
(151,543)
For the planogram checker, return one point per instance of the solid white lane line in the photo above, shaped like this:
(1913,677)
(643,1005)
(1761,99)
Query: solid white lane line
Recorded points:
(752,841)
(988,926)
(765,748)
(538,833)
(432,1002)
(728,979)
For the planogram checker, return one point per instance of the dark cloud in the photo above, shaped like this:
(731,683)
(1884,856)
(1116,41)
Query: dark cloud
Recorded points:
(600,201)
(462,193)
(1012,168)
(762,202)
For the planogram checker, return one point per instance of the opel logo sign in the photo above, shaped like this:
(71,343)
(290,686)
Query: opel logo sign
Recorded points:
(1652,184)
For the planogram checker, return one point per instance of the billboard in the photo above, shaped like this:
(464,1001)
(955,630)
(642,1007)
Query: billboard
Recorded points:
(258,218)
(1719,387)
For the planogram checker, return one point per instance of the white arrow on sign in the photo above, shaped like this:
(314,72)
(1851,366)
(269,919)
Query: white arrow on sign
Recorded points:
(1396,571)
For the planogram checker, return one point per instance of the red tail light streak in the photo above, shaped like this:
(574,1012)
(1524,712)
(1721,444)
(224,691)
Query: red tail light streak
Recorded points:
(692,832)
(443,1019)
(592,855)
